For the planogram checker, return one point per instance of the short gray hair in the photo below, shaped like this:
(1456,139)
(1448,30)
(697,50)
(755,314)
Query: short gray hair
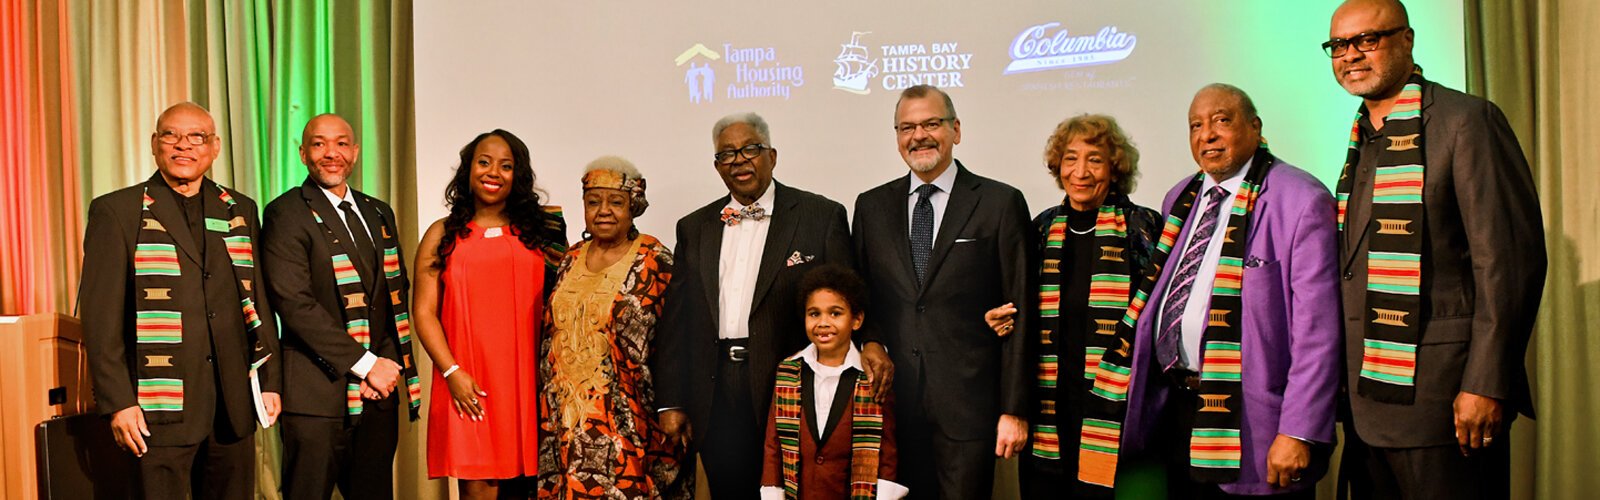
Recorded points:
(748,118)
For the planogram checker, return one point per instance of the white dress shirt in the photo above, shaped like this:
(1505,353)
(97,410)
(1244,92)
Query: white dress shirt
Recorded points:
(368,359)
(737,266)
(824,386)
(940,197)
(1197,313)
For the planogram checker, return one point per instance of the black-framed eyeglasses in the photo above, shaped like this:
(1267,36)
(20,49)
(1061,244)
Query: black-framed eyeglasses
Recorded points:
(749,152)
(1363,42)
(929,126)
(195,138)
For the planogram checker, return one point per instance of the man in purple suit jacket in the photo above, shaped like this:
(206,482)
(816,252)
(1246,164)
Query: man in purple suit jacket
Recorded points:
(1280,367)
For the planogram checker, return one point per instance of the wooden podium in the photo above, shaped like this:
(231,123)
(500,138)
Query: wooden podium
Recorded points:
(43,374)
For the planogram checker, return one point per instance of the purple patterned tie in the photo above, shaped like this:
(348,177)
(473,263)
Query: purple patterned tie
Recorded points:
(1167,344)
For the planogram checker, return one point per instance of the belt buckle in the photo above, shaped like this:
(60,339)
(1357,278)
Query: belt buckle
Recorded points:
(736,353)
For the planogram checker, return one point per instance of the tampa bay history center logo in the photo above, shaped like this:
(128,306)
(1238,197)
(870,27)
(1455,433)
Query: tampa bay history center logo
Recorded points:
(856,68)
(755,72)
(1037,49)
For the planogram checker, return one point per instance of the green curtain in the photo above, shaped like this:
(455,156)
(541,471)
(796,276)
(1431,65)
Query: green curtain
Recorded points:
(1537,59)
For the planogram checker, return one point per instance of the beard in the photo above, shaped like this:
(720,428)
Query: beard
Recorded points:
(328,180)
(1383,77)
(927,165)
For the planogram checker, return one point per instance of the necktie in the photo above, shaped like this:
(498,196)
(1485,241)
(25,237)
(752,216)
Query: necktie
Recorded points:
(753,212)
(1168,343)
(358,234)
(922,231)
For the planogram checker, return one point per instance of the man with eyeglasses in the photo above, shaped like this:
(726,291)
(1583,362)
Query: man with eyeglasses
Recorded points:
(730,306)
(176,321)
(1443,261)
(938,247)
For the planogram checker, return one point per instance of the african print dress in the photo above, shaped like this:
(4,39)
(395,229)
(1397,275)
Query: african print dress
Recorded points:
(600,436)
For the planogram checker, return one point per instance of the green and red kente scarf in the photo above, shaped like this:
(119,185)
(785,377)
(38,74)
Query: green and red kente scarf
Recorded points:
(357,323)
(866,432)
(1215,448)
(1394,248)
(1109,293)
(158,324)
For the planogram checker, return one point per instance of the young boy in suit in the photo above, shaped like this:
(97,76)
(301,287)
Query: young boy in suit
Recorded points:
(827,438)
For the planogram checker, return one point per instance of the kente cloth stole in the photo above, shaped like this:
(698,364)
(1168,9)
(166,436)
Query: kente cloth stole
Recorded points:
(1393,325)
(158,324)
(1215,447)
(1109,293)
(357,322)
(866,432)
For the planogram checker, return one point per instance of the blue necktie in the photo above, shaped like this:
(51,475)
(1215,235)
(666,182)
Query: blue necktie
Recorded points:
(922,231)
(1168,344)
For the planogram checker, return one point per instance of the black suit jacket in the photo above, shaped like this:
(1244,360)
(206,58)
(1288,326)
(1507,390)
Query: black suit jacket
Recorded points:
(802,223)
(207,296)
(945,356)
(318,353)
(1483,273)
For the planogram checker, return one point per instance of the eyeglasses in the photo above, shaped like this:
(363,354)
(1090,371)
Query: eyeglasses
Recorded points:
(195,138)
(1363,42)
(929,126)
(748,153)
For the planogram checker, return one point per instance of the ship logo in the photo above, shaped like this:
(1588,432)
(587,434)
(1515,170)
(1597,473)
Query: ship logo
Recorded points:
(855,68)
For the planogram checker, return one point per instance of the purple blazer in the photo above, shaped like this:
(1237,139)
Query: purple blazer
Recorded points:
(1291,333)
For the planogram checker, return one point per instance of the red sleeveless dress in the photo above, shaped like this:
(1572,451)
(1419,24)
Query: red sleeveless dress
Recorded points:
(493,289)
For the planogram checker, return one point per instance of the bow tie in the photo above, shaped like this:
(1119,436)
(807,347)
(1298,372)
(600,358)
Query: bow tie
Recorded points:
(753,212)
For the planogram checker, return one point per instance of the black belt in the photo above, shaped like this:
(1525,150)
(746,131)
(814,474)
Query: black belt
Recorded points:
(1184,378)
(733,350)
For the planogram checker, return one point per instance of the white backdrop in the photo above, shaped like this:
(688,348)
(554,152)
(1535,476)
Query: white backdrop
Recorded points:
(577,80)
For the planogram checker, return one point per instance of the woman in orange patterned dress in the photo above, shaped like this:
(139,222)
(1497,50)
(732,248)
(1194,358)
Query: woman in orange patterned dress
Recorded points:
(601,438)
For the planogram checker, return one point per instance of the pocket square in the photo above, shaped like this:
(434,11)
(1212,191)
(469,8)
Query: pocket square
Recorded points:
(796,259)
(1253,262)
(966,240)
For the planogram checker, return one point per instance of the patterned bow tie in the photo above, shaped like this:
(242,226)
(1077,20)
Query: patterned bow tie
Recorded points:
(753,212)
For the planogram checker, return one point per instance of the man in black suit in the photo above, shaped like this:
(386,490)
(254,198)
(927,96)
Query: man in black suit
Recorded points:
(1434,350)
(938,247)
(332,257)
(731,312)
(174,318)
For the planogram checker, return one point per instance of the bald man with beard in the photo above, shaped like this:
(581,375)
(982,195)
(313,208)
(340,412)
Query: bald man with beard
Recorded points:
(175,320)
(1443,262)
(332,254)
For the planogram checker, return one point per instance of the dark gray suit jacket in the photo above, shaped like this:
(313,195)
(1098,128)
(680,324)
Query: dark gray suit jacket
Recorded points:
(945,356)
(1483,273)
(317,351)
(803,223)
(214,342)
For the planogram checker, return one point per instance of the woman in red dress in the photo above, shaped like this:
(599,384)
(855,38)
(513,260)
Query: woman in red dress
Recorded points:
(482,276)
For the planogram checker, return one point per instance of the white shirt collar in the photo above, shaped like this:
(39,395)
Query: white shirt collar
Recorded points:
(349,195)
(766,200)
(852,359)
(1230,184)
(946,181)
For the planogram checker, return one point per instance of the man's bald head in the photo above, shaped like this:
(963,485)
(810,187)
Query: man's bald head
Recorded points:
(1391,11)
(1374,60)
(184,145)
(328,149)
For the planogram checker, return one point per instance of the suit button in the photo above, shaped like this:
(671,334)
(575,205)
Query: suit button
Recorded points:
(211,359)
(819,459)
(211,315)
(1349,276)
(915,352)
(205,275)
(922,308)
